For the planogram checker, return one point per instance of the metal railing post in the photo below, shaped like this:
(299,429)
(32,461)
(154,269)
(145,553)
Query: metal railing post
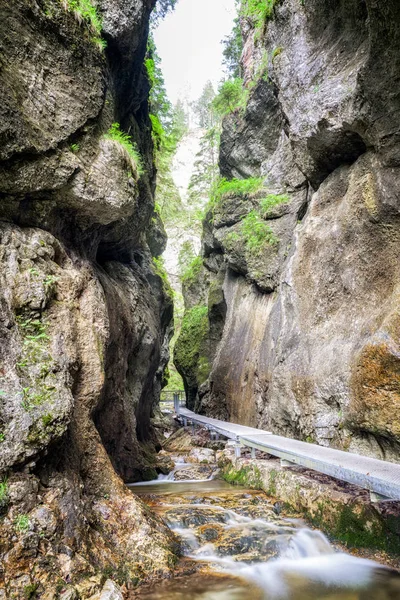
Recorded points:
(237,449)
(176,403)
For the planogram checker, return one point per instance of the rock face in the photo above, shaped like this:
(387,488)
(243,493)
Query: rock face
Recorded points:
(310,337)
(84,321)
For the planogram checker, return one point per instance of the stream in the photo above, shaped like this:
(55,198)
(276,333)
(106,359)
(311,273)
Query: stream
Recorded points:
(236,546)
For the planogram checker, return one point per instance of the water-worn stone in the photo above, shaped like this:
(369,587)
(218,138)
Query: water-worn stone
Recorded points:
(195,472)
(338,508)
(202,455)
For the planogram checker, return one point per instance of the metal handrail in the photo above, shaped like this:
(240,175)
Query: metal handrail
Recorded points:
(380,477)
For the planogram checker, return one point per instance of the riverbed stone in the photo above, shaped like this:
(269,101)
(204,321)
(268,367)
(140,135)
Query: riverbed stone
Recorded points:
(194,472)
(338,508)
(202,455)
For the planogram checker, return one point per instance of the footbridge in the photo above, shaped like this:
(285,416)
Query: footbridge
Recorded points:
(381,478)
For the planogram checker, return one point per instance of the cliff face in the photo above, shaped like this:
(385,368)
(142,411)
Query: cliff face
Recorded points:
(84,319)
(310,340)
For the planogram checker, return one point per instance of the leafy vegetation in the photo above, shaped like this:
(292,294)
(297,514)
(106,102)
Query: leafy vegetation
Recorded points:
(159,268)
(232,52)
(257,12)
(193,271)
(234,187)
(126,147)
(162,8)
(86,12)
(22,523)
(272,200)
(256,233)
(231,96)
(202,107)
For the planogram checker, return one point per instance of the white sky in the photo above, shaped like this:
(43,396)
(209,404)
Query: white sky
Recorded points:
(189,44)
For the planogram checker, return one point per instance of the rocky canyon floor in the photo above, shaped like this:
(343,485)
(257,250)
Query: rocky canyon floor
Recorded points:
(238,542)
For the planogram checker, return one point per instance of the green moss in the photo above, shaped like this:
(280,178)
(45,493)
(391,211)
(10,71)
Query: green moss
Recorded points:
(30,591)
(245,476)
(355,526)
(276,52)
(203,368)
(127,147)
(188,347)
(193,271)
(47,419)
(272,483)
(35,362)
(4,498)
(159,268)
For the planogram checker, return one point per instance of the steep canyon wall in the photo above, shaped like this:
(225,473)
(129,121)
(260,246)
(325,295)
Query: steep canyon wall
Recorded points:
(302,335)
(84,320)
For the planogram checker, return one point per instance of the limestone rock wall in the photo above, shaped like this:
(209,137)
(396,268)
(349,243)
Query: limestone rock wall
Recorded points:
(84,319)
(310,344)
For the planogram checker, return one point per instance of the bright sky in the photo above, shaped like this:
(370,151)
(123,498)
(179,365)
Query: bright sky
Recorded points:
(189,44)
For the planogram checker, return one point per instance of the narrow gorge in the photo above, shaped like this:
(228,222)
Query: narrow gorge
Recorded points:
(289,319)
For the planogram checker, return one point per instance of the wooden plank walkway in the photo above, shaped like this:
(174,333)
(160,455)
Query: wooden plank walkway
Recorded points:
(381,478)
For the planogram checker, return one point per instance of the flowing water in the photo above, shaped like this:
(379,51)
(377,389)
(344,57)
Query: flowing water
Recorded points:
(236,547)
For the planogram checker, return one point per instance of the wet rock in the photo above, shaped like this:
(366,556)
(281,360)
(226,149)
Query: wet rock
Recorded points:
(164,464)
(196,472)
(194,516)
(202,455)
(181,442)
(341,510)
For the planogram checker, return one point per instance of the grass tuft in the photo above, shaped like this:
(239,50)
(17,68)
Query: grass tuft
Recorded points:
(127,148)
(256,233)
(234,187)
(85,12)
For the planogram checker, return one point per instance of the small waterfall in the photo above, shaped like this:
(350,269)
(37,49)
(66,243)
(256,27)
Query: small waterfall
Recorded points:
(249,551)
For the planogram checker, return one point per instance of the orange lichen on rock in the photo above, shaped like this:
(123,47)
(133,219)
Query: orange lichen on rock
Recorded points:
(375,405)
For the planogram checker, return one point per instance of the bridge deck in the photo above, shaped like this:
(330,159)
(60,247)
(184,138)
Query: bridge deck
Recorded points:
(378,476)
